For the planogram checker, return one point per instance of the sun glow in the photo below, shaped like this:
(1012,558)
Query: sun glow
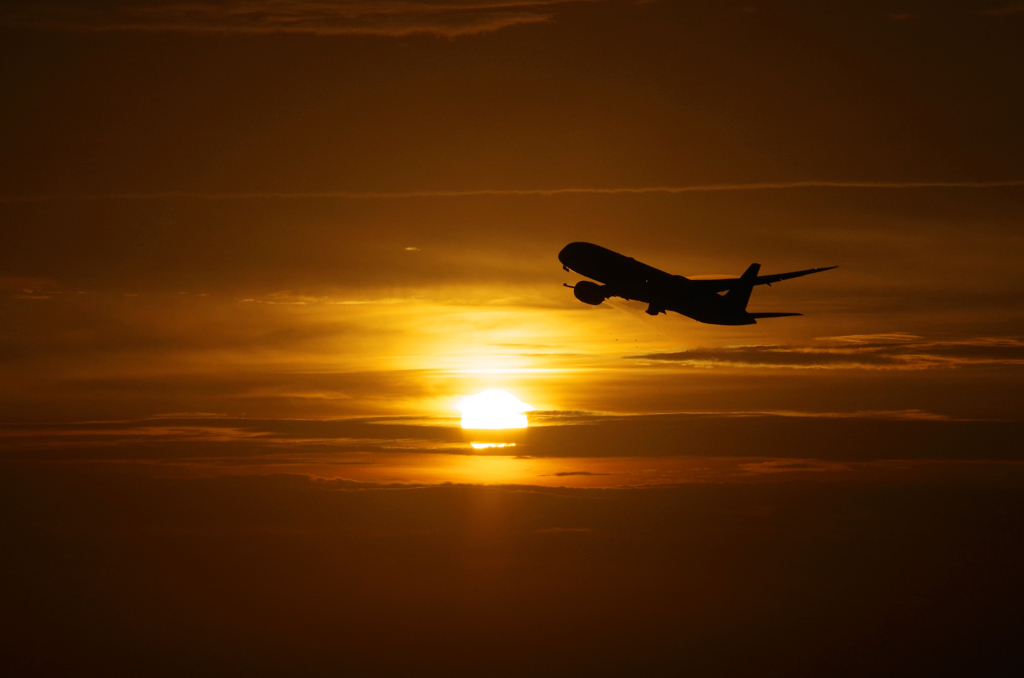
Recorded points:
(493,409)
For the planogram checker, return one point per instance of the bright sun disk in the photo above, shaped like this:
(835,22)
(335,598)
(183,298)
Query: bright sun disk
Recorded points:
(493,408)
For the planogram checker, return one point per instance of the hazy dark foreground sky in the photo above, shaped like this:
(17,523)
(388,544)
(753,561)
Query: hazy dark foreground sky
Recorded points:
(287,575)
(254,253)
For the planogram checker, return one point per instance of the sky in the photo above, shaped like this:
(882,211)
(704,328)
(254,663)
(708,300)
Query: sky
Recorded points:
(256,252)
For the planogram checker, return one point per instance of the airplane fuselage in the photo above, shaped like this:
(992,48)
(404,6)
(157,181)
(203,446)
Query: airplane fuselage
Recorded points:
(702,300)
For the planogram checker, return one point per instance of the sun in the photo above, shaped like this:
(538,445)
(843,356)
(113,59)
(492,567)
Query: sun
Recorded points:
(493,408)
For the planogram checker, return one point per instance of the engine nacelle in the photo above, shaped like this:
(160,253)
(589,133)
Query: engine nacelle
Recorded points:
(589,293)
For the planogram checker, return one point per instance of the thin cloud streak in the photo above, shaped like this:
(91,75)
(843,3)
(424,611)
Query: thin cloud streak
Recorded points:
(267,17)
(434,434)
(865,352)
(501,192)
(1012,8)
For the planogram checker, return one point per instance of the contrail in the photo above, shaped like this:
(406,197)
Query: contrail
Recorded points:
(499,192)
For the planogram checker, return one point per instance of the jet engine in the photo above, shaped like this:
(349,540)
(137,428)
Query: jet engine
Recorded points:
(589,293)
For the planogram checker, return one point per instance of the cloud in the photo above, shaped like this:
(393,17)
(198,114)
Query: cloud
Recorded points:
(793,465)
(29,288)
(395,18)
(290,298)
(511,192)
(245,437)
(1012,8)
(577,418)
(600,449)
(869,352)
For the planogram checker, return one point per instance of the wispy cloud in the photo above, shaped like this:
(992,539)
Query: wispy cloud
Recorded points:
(790,465)
(872,352)
(289,298)
(1012,8)
(576,418)
(393,18)
(259,436)
(29,288)
(503,192)
(601,450)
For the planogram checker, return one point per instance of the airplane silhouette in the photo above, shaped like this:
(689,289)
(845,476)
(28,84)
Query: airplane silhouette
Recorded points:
(702,300)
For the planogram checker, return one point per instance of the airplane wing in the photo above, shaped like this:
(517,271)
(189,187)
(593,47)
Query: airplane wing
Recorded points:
(726,284)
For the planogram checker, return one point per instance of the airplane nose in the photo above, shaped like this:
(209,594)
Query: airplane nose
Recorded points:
(570,252)
(562,255)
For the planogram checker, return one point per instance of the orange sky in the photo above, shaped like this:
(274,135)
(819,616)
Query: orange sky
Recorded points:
(255,252)
(308,211)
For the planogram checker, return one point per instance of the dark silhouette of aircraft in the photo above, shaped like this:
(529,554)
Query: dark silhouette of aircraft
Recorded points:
(715,302)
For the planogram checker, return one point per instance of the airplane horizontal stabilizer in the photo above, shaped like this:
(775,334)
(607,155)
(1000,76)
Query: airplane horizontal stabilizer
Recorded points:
(772,315)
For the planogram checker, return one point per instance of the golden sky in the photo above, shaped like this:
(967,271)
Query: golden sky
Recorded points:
(308,211)
(257,250)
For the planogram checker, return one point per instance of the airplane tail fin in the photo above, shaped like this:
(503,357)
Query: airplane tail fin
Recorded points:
(740,294)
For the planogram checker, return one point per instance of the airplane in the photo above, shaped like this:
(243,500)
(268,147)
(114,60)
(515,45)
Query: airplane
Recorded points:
(714,302)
